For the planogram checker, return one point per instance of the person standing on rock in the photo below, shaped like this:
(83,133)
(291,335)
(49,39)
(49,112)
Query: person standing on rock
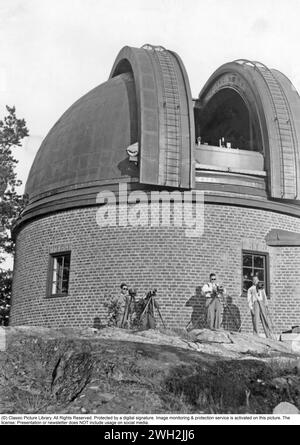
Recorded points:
(212,292)
(257,301)
(123,300)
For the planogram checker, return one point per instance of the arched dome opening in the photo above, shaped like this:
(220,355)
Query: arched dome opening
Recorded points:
(226,119)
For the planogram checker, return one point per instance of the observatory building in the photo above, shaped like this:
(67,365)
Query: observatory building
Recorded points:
(236,148)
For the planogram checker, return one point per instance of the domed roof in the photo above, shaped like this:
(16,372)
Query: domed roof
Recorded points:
(146,102)
(88,143)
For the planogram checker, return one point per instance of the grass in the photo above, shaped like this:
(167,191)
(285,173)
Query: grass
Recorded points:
(156,379)
(232,386)
(28,403)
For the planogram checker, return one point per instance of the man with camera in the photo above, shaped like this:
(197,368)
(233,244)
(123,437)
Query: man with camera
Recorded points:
(257,301)
(213,293)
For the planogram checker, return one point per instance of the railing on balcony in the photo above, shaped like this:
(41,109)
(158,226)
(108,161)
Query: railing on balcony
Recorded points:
(232,160)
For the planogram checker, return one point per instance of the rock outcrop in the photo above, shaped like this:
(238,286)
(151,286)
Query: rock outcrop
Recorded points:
(118,371)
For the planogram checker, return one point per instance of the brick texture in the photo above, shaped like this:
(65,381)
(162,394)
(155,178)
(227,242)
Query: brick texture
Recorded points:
(101,258)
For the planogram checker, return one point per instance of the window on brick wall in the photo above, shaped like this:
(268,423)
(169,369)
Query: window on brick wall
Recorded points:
(254,264)
(59,274)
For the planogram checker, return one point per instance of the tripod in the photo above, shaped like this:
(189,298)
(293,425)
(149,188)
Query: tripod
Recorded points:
(202,317)
(150,305)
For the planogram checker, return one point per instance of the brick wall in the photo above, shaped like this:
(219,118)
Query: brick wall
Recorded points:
(143,257)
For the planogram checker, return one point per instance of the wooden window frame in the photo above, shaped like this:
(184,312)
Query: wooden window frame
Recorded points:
(52,256)
(267,270)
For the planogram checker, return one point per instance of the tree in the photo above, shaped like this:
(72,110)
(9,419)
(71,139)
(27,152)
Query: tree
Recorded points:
(5,295)
(12,132)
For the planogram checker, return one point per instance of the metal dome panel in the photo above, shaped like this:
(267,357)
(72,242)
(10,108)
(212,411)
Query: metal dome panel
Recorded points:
(166,127)
(88,143)
(275,105)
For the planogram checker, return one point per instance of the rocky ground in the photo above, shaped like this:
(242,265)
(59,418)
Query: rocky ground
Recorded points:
(117,371)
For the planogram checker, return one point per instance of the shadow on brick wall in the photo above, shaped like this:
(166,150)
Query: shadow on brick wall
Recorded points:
(198,315)
(231,320)
(97,323)
(231,317)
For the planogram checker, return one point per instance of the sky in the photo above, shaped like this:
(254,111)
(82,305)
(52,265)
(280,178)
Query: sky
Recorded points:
(53,52)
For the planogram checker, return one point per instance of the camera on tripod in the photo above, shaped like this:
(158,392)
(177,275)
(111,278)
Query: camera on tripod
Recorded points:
(152,293)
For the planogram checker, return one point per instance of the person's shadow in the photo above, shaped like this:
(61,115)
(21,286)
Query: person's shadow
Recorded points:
(231,316)
(97,323)
(198,315)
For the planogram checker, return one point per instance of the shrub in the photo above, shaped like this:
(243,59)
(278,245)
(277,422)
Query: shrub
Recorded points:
(114,311)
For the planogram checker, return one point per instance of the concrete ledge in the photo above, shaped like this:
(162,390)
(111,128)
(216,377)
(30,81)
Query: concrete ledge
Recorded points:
(229,157)
(230,170)
(292,341)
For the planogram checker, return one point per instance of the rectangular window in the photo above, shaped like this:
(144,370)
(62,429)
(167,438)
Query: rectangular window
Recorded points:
(59,272)
(254,264)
